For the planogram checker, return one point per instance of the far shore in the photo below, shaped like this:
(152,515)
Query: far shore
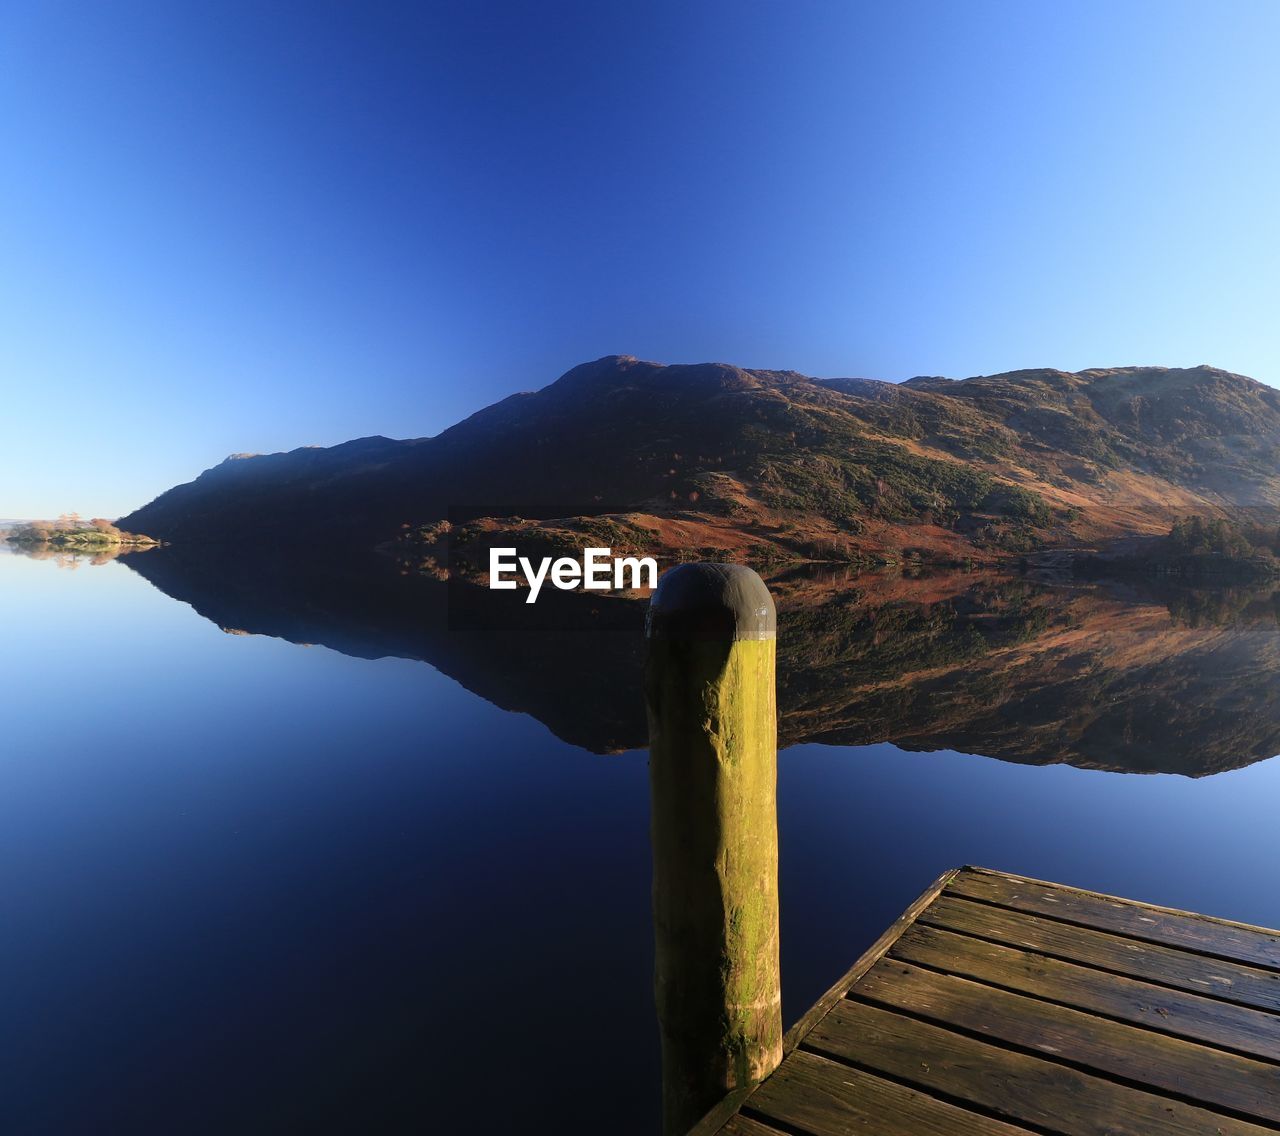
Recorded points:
(94,536)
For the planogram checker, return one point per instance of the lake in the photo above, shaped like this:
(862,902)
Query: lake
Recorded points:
(397,878)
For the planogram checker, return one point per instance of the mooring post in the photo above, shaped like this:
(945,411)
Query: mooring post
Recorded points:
(710,693)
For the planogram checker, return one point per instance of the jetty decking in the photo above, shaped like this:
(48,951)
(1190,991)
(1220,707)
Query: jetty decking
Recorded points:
(1000,1005)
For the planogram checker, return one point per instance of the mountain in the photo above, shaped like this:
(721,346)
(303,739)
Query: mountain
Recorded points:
(775,465)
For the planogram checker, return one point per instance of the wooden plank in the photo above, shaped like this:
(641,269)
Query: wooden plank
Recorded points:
(1177,1012)
(745,1126)
(973,870)
(1015,1086)
(1167,966)
(1184,930)
(826,1098)
(1002,1005)
(718,1115)
(1187,1069)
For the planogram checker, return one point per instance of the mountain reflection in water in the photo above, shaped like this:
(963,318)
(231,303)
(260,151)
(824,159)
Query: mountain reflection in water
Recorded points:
(1095,676)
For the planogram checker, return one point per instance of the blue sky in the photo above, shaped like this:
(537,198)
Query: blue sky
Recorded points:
(229,227)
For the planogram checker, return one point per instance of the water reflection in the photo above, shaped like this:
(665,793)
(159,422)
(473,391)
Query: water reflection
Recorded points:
(304,878)
(1025,670)
(72,558)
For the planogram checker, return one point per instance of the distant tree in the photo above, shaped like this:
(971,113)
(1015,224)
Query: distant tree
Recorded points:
(1189,535)
(1196,536)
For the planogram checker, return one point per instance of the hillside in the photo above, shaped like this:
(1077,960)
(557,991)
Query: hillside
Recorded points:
(718,460)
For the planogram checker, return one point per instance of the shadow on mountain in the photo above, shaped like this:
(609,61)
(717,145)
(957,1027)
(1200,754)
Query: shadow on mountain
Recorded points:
(1104,677)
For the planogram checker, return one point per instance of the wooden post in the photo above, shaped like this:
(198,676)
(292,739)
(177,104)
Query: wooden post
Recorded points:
(710,693)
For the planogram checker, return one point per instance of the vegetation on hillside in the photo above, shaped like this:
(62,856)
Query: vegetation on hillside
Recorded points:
(744,462)
(1198,551)
(1196,536)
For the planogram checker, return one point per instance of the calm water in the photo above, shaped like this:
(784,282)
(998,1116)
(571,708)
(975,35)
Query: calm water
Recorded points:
(255,886)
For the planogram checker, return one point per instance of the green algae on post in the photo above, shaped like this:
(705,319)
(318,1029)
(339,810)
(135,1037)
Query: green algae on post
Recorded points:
(710,692)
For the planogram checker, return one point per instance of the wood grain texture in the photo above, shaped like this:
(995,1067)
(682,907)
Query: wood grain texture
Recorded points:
(973,871)
(1177,1012)
(745,1126)
(1183,930)
(827,1098)
(1016,1086)
(1170,1064)
(1168,966)
(1000,1005)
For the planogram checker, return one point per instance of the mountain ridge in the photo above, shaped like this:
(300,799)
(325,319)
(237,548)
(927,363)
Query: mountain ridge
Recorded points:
(986,467)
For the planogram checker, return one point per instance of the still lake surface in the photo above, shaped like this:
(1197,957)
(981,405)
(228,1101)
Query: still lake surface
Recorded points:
(254,886)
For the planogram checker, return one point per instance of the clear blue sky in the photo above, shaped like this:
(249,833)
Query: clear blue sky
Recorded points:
(230,227)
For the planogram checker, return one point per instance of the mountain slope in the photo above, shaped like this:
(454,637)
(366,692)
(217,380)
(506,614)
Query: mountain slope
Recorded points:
(772,460)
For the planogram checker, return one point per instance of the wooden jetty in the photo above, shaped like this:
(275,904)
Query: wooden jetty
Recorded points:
(999,1005)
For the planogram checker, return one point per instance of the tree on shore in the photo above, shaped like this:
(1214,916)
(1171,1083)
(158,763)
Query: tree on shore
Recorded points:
(1197,536)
